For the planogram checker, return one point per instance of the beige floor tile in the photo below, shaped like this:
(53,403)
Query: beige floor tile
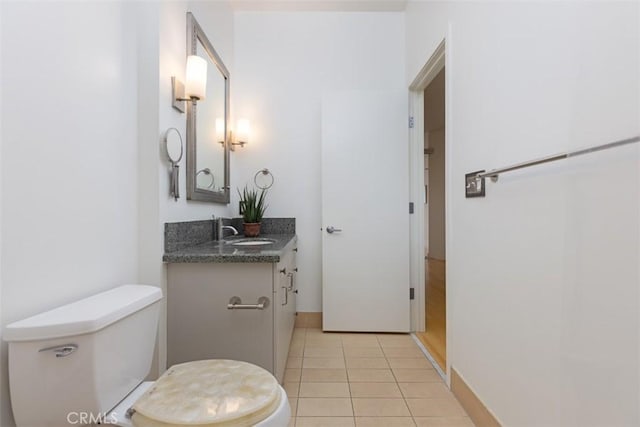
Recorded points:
(292,422)
(404,375)
(375,390)
(384,422)
(413,363)
(296,350)
(324,390)
(299,333)
(311,351)
(325,422)
(292,375)
(297,340)
(363,340)
(402,352)
(294,363)
(324,375)
(323,341)
(327,407)
(371,375)
(443,422)
(292,388)
(323,362)
(418,390)
(319,331)
(353,352)
(396,340)
(367,363)
(293,403)
(364,407)
(435,407)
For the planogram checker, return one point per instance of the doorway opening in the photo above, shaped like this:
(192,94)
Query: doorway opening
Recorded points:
(434,336)
(430,157)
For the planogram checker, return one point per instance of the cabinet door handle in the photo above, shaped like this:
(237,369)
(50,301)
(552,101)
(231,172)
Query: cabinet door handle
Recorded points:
(286,295)
(290,288)
(235,303)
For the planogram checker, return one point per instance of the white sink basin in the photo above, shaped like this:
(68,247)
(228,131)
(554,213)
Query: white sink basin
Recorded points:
(252,242)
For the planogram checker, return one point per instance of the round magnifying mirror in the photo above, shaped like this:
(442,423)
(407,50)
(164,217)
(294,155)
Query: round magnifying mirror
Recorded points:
(173,145)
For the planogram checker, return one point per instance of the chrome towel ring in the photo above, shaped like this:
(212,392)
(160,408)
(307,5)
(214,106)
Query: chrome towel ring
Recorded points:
(270,179)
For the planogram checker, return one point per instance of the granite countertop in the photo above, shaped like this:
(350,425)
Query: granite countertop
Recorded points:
(224,252)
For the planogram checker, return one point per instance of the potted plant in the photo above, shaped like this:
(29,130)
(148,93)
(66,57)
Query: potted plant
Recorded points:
(252,209)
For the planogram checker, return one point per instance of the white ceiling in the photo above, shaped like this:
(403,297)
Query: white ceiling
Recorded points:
(320,5)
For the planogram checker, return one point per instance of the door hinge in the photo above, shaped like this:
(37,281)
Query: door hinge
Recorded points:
(410,208)
(411,122)
(412,293)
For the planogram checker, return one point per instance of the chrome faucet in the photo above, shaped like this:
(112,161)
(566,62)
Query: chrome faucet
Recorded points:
(222,227)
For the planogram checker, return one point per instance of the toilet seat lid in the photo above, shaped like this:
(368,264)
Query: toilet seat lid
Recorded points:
(209,392)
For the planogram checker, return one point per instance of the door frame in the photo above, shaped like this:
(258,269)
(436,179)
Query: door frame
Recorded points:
(440,58)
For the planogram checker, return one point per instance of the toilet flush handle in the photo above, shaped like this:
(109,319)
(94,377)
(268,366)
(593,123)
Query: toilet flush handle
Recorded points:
(61,350)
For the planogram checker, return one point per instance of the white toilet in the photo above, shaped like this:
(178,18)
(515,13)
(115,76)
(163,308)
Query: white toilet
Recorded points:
(85,362)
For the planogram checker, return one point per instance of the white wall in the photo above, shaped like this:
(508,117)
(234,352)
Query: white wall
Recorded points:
(284,62)
(162,54)
(2,356)
(542,279)
(68,156)
(84,183)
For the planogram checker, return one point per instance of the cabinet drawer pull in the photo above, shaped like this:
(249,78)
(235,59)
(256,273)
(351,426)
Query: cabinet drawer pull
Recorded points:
(290,287)
(286,295)
(235,303)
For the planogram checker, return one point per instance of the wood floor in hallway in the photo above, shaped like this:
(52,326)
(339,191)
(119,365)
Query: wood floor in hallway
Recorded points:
(435,336)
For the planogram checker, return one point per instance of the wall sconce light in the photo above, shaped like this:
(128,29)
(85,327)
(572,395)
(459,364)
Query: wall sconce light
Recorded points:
(243,128)
(196,83)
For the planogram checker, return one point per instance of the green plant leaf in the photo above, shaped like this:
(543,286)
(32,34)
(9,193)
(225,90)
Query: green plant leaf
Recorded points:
(254,204)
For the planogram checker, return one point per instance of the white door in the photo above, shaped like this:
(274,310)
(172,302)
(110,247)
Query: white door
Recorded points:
(365,198)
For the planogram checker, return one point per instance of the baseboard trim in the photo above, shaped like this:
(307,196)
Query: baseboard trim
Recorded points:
(471,403)
(309,319)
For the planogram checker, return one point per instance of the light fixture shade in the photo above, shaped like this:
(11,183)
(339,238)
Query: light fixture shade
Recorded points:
(220,130)
(242,131)
(196,85)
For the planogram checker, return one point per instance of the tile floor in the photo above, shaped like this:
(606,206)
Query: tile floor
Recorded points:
(351,379)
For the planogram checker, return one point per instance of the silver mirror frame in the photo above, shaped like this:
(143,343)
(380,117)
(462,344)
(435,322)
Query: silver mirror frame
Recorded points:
(195,34)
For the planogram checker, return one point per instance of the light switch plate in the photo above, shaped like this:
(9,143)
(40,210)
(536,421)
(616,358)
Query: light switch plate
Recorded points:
(474,187)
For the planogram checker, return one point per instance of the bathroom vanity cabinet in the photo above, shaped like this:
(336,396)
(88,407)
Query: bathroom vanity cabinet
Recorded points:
(214,311)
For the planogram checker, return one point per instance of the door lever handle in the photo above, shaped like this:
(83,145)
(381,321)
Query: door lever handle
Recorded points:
(331,229)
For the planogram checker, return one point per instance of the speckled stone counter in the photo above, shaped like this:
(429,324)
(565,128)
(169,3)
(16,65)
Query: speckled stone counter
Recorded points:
(225,252)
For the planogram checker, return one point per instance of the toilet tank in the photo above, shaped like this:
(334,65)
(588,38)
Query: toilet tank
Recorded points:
(78,361)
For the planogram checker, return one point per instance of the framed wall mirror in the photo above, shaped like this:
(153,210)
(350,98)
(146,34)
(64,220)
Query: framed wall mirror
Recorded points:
(208,125)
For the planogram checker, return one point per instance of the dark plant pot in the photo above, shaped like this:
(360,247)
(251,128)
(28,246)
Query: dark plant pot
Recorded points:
(251,229)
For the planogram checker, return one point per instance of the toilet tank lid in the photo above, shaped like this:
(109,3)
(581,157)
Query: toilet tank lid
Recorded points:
(85,316)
